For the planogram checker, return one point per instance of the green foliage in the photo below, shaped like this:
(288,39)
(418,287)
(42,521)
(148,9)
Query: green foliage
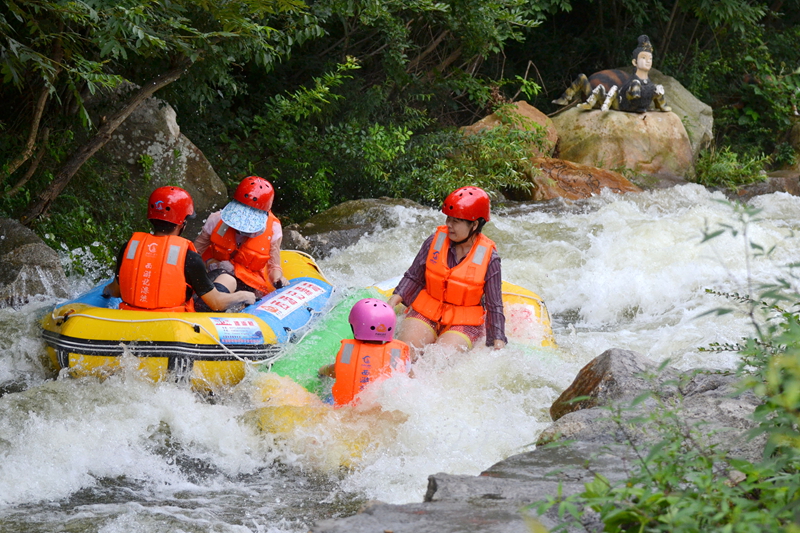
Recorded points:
(723,168)
(95,216)
(683,483)
(147,162)
(497,158)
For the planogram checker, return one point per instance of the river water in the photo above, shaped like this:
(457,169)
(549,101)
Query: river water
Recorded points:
(127,455)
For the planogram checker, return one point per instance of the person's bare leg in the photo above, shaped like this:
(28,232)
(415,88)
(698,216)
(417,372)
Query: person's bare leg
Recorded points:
(417,334)
(456,340)
(227,281)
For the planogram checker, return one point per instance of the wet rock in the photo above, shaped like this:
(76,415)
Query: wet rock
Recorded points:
(150,148)
(28,267)
(530,115)
(787,181)
(343,225)
(572,181)
(652,144)
(612,375)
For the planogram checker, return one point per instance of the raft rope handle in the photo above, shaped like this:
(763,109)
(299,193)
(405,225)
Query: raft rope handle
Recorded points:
(194,325)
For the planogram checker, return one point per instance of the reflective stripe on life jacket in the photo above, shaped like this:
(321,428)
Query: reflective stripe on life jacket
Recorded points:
(151,275)
(250,260)
(452,296)
(359,363)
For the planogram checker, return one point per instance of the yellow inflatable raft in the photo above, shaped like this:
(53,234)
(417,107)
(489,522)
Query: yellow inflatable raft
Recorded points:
(91,335)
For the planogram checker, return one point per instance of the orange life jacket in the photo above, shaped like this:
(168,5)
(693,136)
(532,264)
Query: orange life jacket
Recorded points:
(151,275)
(452,296)
(359,363)
(250,260)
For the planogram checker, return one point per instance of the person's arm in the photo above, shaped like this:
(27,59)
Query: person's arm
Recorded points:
(220,301)
(274,267)
(203,241)
(112,289)
(493,303)
(202,285)
(413,280)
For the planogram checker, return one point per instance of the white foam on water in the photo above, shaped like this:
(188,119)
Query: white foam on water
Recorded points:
(615,271)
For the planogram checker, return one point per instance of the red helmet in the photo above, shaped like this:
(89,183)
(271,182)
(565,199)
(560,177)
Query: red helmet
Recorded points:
(255,192)
(468,203)
(170,204)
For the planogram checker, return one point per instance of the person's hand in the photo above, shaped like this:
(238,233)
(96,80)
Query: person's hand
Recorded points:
(659,90)
(499,344)
(248,297)
(281,282)
(395,300)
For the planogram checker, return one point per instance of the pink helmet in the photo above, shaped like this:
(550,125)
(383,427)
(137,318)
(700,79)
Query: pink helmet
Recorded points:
(372,320)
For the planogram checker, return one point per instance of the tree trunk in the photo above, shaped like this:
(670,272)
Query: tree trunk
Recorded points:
(30,145)
(45,199)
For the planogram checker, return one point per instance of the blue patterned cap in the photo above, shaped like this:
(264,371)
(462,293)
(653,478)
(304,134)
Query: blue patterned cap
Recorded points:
(244,218)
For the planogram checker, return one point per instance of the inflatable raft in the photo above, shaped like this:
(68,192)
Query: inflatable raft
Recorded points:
(527,323)
(90,335)
(290,393)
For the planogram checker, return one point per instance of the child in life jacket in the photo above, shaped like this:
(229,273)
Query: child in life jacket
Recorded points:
(372,354)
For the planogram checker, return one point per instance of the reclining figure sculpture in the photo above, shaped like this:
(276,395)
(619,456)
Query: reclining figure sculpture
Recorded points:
(616,89)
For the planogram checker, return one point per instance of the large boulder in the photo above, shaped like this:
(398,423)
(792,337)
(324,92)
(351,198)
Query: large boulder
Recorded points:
(529,115)
(793,139)
(653,143)
(697,117)
(342,225)
(563,179)
(28,266)
(151,149)
(610,376)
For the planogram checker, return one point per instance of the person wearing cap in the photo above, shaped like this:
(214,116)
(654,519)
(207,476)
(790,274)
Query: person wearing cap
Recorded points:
(453,287)
(244,239)
(161,271)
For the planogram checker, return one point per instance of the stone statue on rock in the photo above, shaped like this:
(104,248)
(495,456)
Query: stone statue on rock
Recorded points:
(619,90)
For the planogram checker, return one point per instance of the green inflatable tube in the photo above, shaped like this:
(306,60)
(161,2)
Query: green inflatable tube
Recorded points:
(319,346)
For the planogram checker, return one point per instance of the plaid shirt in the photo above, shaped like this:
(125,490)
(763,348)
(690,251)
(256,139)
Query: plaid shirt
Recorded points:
(414,281)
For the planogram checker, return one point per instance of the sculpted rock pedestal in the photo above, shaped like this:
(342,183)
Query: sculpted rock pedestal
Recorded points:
(652,143)
(697,117)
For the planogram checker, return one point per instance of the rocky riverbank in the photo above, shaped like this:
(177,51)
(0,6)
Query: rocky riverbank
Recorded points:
(499,499)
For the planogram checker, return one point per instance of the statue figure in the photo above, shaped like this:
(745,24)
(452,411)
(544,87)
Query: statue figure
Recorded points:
(616,89)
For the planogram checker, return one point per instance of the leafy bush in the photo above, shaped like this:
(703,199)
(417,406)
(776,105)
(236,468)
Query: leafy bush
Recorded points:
(723,168)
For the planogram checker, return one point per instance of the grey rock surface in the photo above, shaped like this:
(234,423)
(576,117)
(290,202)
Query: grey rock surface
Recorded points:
(343,225)
(28,267)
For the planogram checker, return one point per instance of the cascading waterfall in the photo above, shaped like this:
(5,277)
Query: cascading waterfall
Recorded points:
(627,272)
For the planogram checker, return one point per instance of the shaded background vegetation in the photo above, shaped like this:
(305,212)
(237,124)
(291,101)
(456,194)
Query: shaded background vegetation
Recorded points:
(339,99)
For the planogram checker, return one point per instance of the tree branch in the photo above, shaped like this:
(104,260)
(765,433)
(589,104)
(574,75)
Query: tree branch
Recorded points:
(43,202)
(34,165)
